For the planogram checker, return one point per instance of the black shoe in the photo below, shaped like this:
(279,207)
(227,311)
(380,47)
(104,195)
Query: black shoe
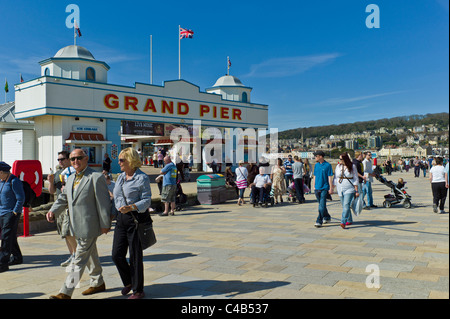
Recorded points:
(3,268)
(373,206)
(15,261)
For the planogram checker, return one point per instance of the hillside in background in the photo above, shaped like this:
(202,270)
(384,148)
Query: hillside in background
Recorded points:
(439,119)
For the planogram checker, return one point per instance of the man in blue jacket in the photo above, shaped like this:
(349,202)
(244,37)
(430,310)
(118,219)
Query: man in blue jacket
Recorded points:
(12,197)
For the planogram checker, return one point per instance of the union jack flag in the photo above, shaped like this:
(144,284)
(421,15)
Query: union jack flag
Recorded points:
(185,33)
(77,28)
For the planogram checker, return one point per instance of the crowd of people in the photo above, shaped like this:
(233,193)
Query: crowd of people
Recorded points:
(88,201)
(352,178)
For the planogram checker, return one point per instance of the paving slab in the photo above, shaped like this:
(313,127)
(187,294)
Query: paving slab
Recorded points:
(228,251)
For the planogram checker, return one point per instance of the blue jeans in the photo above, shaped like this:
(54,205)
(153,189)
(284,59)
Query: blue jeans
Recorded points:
(367,190)
(346,200)
(321,196)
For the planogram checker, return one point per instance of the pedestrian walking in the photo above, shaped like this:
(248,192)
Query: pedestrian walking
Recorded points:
(346,182)
(241,181)
(160,157)
(289,175)
(12,197)
(307,175)
(57,182)
(252,170)
(424,166)
(87,198)
(132,198)
(416,164)
(106,163)
(278,183)
(367,186)
(439,185)
(322,181)
(169,190)
(299,171)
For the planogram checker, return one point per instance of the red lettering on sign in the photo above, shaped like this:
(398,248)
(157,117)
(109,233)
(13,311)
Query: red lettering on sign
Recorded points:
(114,104)
(224,112)
(149,105)
(131,101)
(186,108)
(204,109)
(237,114)
(168,107)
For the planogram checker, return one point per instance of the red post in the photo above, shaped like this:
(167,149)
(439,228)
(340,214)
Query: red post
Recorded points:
(26,222)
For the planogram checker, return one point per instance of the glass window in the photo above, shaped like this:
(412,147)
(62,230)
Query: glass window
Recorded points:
(90,74)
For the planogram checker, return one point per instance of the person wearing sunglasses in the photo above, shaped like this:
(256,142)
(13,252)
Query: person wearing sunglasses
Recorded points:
(346,181)
(132,198)
(87,198)
(57,182)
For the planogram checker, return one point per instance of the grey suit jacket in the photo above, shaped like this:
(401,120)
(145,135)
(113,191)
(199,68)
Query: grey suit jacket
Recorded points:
(89,205)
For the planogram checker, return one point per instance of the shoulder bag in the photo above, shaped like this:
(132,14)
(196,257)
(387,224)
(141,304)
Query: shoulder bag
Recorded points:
(145,230)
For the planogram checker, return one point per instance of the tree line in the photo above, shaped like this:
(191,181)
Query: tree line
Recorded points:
(441,120)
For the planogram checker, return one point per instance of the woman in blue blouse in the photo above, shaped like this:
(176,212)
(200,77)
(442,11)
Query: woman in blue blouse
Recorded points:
(132,195)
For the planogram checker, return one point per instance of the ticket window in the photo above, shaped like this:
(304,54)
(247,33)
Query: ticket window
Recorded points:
(93,154)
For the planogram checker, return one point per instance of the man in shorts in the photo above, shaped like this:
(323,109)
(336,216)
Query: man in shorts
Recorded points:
(169,189)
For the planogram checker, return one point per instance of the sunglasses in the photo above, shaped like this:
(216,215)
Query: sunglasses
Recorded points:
(122,160)
(72,159)
(61,159)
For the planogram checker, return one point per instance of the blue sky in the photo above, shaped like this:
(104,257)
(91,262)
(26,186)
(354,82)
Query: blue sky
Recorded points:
(313,62)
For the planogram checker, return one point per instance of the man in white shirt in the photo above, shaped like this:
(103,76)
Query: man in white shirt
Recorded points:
(261,184)
(367,185)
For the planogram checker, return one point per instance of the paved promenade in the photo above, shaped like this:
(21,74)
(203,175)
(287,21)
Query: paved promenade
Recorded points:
(230,251)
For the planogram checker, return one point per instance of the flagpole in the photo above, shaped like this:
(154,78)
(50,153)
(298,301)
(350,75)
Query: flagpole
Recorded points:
(74,33)
(179,52)
(151,61)
(228,65)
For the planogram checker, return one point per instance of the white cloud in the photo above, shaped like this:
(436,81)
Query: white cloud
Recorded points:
(288,66)
(347,100)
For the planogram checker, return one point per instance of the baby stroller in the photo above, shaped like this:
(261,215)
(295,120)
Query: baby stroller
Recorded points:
(181,198)
(398,195)
(292,195)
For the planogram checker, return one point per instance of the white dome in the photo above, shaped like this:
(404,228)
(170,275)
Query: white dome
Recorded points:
(74,51)
(228,80)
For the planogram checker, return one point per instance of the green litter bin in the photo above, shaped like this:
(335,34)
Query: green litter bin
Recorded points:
(211,189)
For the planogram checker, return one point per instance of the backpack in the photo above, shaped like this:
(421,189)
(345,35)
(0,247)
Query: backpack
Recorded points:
(30,195)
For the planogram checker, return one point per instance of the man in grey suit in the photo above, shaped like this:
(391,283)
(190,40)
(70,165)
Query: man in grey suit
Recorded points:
(87,198)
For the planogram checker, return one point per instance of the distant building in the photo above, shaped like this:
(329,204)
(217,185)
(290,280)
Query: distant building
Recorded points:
(352,144)
(374,142)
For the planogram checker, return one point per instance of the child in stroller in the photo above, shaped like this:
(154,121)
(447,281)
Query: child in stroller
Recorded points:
(293,194)
(398,192)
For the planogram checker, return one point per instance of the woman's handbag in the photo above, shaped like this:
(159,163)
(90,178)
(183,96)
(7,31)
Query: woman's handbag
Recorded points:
(145,230)
(146,233)
(242,183)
